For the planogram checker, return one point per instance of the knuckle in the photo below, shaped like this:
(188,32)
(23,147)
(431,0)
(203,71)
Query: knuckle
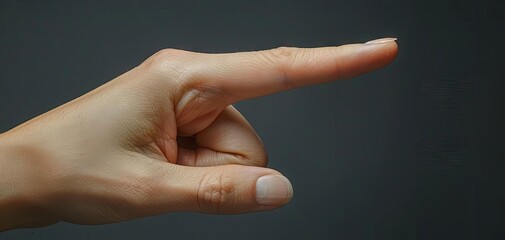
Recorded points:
(282,59)
(215,192)
(282,55)
(165,59)
(167,53)
(283,52)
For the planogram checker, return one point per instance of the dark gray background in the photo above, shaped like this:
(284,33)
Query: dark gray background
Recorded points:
(413,151)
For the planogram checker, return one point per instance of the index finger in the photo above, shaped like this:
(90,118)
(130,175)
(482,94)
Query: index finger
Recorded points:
(238,76)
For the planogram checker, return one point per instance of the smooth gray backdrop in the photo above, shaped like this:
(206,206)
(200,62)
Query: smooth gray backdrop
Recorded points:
(413,151)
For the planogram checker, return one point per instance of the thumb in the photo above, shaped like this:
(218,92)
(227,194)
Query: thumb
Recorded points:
(224,189)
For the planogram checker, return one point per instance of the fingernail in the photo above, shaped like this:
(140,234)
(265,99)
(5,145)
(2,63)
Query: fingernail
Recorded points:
(381,41)
(273,190)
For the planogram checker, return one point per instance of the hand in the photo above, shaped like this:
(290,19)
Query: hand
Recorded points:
(163,137)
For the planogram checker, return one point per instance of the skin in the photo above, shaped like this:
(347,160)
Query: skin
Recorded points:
(162,137)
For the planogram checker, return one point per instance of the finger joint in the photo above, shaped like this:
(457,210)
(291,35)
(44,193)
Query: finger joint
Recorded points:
(215,191)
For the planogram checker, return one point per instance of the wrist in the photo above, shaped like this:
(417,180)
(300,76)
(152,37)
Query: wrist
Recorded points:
(22,195)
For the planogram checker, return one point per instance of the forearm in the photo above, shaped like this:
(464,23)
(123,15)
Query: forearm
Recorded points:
(20,185)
